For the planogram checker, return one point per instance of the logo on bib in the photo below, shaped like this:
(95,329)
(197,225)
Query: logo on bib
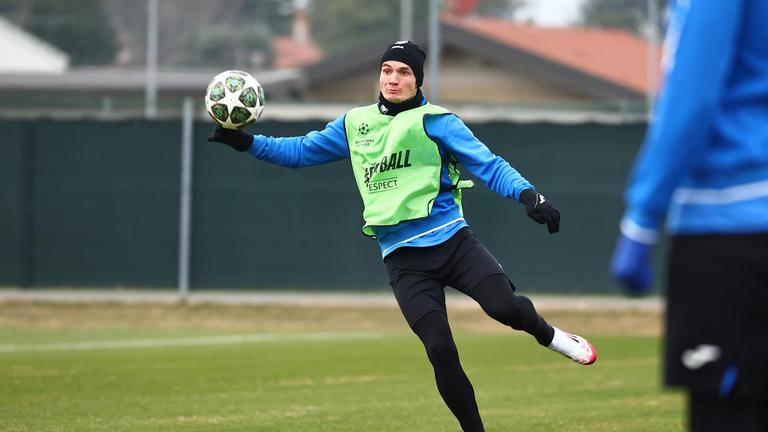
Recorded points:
(401,159)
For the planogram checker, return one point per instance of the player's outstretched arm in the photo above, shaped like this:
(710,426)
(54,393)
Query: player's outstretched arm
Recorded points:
(492,170)
(314,148)
(495,172)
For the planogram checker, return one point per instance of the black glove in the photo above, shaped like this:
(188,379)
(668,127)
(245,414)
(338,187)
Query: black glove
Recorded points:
(235,138)
(540,210)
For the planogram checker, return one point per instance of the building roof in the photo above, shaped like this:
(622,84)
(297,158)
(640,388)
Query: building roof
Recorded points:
(22,52)
(604,63)
(109,80)
(611,54)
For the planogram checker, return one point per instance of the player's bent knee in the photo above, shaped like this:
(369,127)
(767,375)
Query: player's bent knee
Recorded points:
(442,351)
(496,296)
(505,312)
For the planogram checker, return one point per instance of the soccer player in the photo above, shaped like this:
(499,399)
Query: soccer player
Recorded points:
(704,168)
(403,151)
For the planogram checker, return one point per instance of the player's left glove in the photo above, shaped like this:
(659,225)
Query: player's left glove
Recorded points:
(540,209)
(235,138)
(631,266)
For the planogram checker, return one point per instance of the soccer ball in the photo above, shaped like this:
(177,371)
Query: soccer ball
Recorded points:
(234,99)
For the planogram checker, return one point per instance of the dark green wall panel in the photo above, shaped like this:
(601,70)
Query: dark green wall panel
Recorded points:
(13,144)
(582,169)
(105,202)
(256,224)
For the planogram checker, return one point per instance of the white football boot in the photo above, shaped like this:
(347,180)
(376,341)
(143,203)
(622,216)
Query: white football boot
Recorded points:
(573,346)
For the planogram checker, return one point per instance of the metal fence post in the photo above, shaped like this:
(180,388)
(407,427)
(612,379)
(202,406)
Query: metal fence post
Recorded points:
(434,51)
(28,176)
(185,201)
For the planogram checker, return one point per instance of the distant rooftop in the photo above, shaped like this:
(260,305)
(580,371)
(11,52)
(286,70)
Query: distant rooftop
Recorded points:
(611,54)
(117,80)
(22,52)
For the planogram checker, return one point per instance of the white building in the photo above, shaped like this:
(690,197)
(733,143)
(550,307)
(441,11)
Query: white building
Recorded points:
(22,52)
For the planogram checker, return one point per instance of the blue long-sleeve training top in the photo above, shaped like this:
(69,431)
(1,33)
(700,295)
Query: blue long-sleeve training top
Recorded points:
(453,138)
(704,164)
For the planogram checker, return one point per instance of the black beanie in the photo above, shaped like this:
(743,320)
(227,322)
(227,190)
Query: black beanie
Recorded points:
(409,53)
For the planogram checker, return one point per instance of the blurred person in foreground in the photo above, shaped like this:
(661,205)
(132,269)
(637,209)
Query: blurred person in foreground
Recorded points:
(404,152)
(704,168)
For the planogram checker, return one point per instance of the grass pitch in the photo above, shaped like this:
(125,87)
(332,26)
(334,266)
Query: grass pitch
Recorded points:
(109,367)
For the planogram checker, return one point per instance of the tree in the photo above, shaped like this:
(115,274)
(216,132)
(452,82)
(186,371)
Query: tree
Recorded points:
(340,24)
(203,33)
(630,15)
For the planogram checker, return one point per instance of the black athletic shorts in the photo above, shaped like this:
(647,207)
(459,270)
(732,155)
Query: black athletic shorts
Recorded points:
(717,315)
(419,275)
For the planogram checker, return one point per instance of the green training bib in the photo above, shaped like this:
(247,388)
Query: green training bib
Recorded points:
(396,165)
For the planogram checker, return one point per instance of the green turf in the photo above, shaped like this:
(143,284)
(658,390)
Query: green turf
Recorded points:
(373,382)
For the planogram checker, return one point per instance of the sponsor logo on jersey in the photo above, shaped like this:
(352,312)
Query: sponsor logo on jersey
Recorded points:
(395,161)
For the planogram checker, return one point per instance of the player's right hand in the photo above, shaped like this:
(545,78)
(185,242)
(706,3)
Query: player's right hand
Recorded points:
(235,138)
(631,266)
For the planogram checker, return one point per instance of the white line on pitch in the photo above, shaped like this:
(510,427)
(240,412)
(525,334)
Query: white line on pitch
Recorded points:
(190,341)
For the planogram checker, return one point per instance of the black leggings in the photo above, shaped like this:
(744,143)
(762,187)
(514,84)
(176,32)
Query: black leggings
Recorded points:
(452,382)
(495,295)
(497,298)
